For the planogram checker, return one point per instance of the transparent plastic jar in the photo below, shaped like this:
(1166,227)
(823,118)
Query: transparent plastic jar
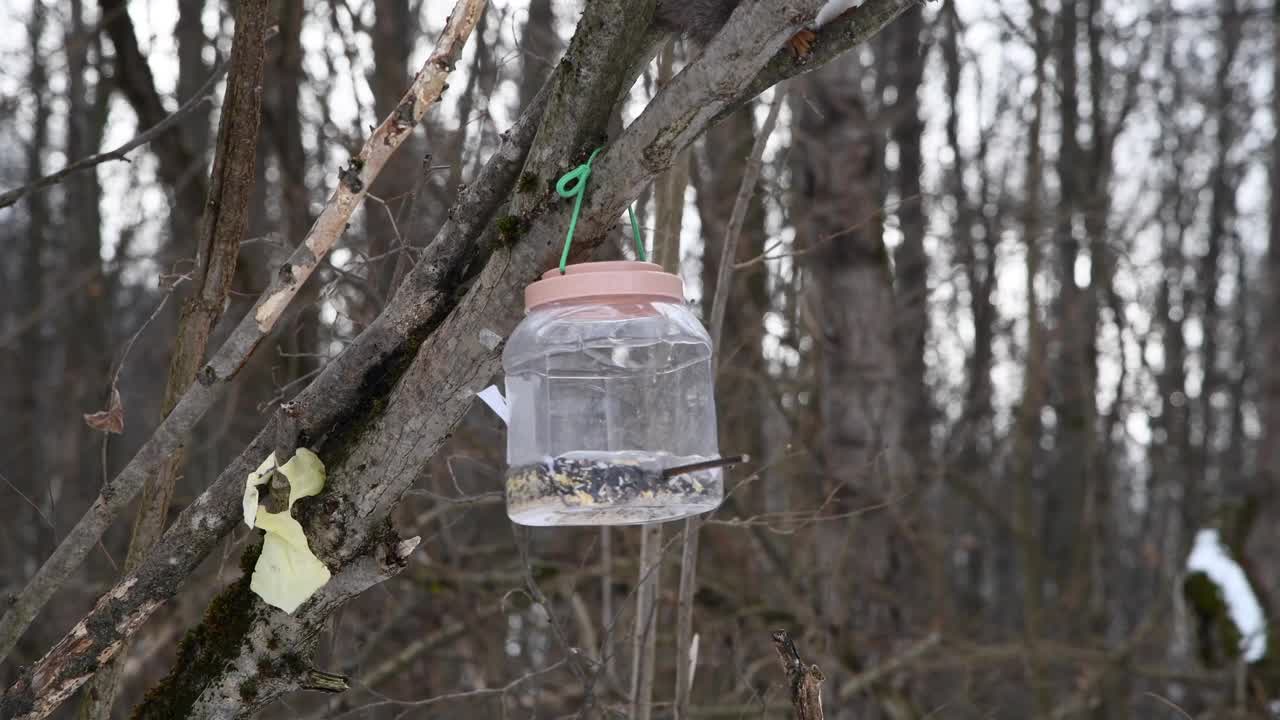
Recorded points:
(610,387)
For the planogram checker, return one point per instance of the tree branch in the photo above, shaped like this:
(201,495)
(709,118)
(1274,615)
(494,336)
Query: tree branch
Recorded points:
(645,631)
(833,40)
(204,95)
(804,682)
(367,467)
(274,641)
(216,375)
(862,681)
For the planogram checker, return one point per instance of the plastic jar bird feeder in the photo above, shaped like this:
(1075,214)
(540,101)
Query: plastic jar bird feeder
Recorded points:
(610,386)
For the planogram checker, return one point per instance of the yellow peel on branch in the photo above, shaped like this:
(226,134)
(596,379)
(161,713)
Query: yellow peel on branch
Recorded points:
(306,475)
(287,572)
(251,483)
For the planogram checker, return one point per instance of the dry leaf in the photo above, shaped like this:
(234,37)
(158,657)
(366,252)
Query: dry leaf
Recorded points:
(110,420)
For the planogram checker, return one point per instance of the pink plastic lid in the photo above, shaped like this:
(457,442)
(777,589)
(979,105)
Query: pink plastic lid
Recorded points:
(618,278)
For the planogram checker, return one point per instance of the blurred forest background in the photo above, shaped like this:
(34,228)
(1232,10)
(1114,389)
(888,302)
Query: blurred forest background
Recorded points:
(1002,343)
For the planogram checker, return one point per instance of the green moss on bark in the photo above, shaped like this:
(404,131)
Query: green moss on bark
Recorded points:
(528,183)
(375,391)
(249,690)
(509,230)
(205,649)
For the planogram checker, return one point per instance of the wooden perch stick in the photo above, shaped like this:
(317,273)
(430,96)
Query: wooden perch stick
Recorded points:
(705,465)
(804,682)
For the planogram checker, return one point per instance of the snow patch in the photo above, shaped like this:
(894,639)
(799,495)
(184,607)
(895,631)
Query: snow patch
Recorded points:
(1210,557)
(834,9)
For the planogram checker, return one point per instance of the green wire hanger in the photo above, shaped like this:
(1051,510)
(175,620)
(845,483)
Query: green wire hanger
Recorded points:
(573,184)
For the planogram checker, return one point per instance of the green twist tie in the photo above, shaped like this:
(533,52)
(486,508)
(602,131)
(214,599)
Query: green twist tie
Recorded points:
(573,184)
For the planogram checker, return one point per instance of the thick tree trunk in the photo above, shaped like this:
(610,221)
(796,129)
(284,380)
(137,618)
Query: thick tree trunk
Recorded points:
(389,78)
(976,240)
(1264,541)
(180,165)
(192,70)
(1269,442)
(27,348)
(282,131)
(1174,515)
(1073,364)
(539,49)
(851,297)
(1208,487)
(911,264)
(1103,570)
(218,246)
(1026,441)
(284,119)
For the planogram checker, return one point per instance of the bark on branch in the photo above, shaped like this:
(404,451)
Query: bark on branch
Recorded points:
(804,682)
(833,40)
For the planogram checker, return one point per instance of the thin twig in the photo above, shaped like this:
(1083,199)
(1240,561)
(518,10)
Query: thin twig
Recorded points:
(128,346)
(747,189)
(465,695)
(645,635)
(29,501)
(1170,703)
(203,95)
(866,679)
